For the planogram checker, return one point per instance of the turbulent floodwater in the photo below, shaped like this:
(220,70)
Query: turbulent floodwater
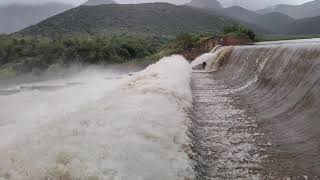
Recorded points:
(99,126)
(252,113)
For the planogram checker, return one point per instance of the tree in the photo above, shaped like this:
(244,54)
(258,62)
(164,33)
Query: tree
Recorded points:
(239,30)
(186,40)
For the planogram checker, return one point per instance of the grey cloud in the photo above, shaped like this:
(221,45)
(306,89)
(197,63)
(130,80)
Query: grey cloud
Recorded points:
(258,4)
(251,4)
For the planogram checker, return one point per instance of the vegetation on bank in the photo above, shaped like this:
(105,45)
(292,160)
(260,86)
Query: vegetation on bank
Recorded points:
(27,54)
(239,31)
(36,54)
(20,55)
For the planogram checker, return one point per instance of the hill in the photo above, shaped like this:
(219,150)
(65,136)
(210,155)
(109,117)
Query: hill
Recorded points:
(273,22)
(241,13)
(309,9)
(306,26)
(17,16)
(252,5)
(148,18)
(98,2)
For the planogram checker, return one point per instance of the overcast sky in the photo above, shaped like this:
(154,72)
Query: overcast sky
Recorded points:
(251,4)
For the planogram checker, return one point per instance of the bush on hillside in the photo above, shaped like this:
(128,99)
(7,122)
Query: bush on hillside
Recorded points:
(238,30)
(186,40)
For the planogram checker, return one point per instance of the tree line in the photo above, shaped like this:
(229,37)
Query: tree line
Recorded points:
(25,54)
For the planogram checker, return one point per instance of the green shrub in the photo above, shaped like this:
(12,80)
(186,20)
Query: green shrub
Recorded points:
(238,30)
(186,40)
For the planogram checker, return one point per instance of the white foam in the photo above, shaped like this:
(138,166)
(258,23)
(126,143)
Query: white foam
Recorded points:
(207,57)
(135,130)
(216,48)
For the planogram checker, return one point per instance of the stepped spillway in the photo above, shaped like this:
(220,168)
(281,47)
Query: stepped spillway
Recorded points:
(257,115)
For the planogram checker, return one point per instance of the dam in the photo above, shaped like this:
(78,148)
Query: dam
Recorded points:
(252,112)
(256,112)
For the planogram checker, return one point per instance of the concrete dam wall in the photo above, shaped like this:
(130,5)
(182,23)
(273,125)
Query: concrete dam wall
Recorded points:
(264,101)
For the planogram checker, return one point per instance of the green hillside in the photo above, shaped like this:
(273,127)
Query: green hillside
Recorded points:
(148,18)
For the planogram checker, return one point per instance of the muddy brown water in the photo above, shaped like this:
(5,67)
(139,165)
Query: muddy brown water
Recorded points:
(270,94)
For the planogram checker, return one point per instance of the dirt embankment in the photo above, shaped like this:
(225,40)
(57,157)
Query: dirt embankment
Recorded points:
(208,44)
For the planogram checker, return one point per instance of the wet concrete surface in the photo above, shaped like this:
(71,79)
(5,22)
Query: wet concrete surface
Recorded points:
(273,92)
(223,136)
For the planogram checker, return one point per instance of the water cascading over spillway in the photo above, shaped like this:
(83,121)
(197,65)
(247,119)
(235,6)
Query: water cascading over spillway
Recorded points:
(257,115)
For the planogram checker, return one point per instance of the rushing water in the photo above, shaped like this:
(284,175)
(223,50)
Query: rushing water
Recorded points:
(253,111)
(99,126)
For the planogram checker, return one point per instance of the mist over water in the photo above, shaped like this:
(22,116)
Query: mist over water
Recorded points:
(99,125)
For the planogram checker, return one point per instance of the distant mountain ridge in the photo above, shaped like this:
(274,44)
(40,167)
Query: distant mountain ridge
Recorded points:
(306,26)
(206,4)
(15,17)
(276,22)
(273,22)
(98,2)
(309,9)
(252,5)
